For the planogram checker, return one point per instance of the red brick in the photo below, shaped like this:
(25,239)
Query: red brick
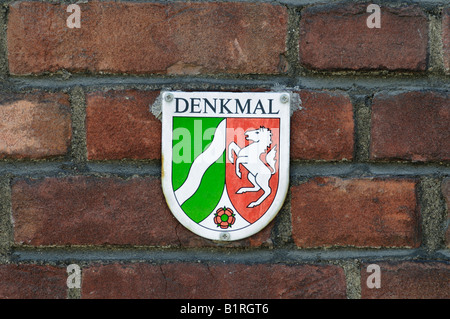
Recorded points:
(409,280)
(336,37)
(101,211)
(119,125)
(32,282)
(323,129)
(34,125)
(446,37)
(446,193)
(131,37)
(355,212)
(411,126)
(89,210)
(217,281)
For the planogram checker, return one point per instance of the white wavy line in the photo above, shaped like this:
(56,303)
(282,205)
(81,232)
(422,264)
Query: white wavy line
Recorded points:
(201,164)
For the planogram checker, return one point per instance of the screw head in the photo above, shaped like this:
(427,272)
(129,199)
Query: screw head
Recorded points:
(169,97)
(284,98)
(224,236)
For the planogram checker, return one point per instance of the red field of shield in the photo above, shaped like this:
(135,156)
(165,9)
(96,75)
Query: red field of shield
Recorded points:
(236,128)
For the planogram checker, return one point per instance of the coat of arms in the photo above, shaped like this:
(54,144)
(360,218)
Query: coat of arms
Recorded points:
(225,166)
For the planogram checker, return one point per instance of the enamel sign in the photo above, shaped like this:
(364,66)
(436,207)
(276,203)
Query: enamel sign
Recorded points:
(225,166)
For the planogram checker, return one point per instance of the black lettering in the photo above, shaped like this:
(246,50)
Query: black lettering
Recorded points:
(213,108)
(242,109)
(270,108)
(259,106)
(193,104)
(223,106)
(186,106)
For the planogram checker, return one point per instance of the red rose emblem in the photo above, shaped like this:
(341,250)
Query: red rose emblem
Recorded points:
(224,218)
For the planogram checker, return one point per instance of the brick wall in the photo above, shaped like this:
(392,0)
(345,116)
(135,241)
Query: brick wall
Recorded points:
(80,149)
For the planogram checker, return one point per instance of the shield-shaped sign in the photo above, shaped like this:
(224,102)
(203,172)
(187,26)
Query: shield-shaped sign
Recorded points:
(225,166)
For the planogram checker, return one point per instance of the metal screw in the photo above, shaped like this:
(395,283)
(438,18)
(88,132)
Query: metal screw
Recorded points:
(225,236)
(284,98)
(169,97)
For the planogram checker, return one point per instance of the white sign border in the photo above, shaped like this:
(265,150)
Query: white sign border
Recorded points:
(284,165)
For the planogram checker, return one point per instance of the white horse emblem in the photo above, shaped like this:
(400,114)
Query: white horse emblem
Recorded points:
(259,173)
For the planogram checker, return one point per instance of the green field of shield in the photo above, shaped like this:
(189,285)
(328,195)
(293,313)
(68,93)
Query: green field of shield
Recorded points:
(191,137)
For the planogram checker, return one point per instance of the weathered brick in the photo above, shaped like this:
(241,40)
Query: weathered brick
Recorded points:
(34,125)
(355,212)
(88,210)
(410,126)
(32,282)
(336,37)
(84,210)
(409,280)
(119,125)
(323,128)
(446,193)
(138,38)
(217,281)
(446,38)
